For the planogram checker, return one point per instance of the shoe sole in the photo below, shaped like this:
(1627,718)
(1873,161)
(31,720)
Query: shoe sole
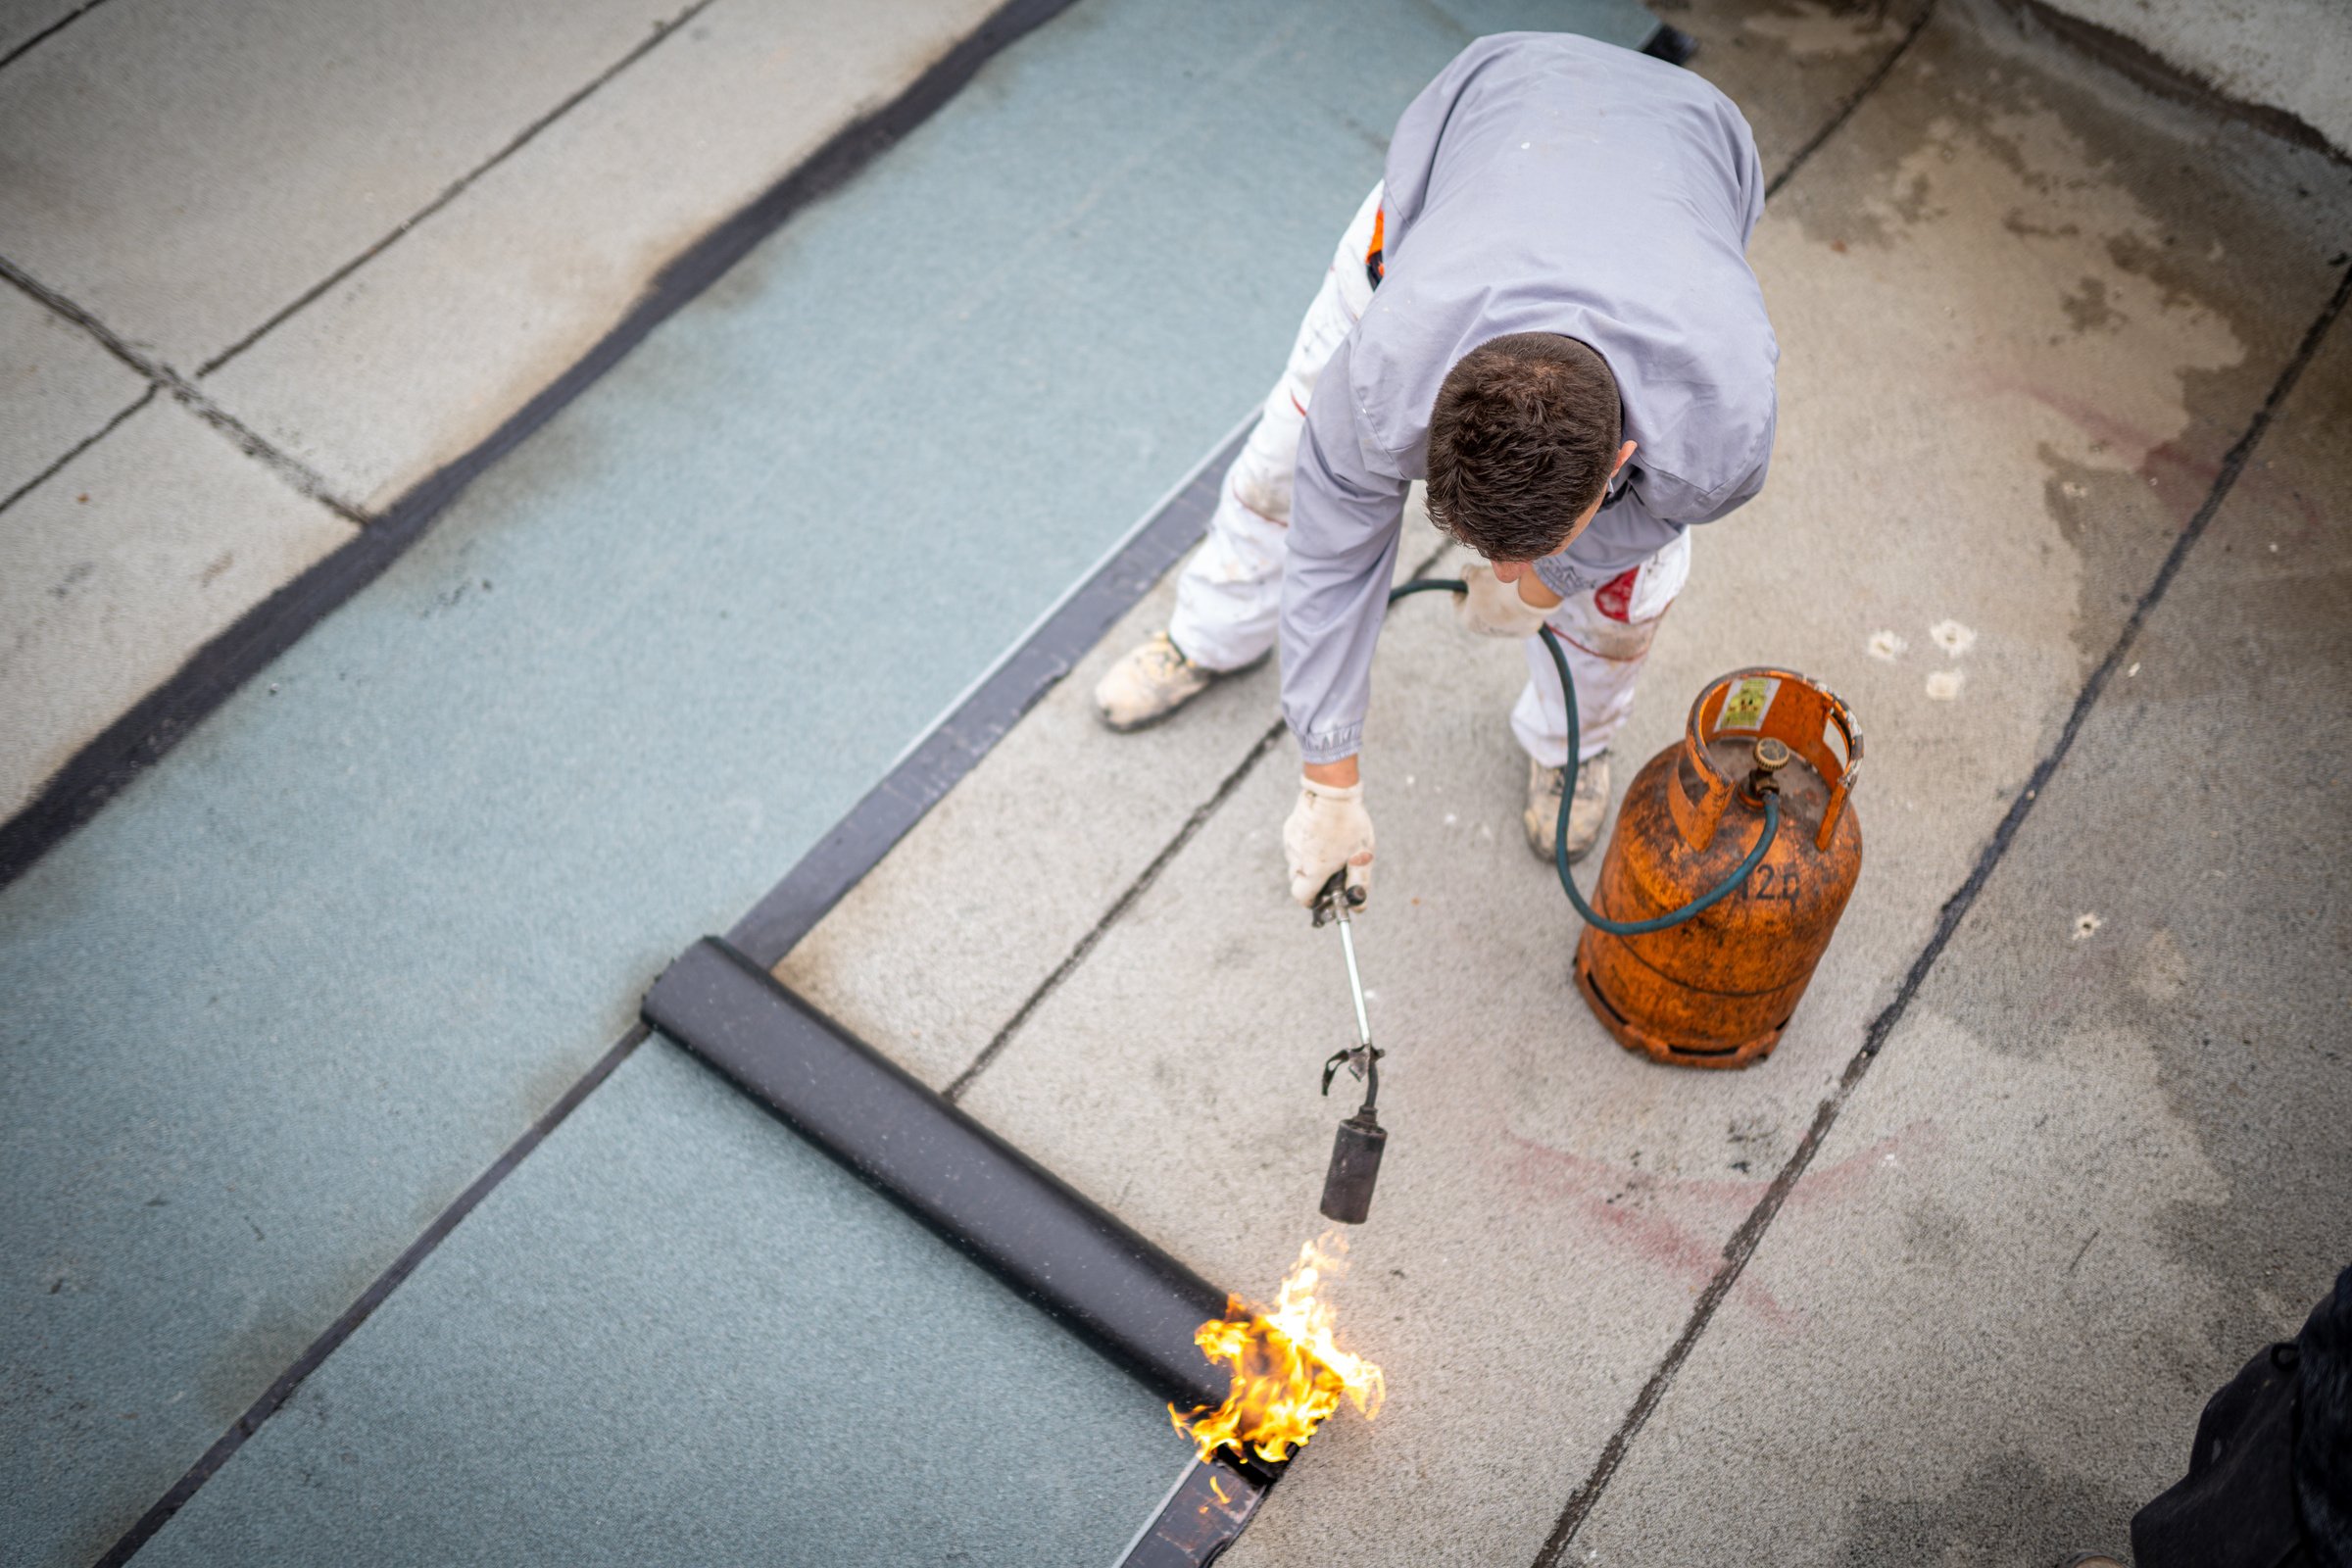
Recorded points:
(1174,708)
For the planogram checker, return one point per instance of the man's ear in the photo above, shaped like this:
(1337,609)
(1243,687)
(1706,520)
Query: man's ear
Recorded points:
(1624,455)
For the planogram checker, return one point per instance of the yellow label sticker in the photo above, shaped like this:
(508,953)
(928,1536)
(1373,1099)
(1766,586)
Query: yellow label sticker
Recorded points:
(1748,702)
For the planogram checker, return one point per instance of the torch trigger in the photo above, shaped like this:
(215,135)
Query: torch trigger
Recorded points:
(1336,900)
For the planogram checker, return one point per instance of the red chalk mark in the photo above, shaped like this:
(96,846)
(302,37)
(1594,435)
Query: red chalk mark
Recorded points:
(1624,1204)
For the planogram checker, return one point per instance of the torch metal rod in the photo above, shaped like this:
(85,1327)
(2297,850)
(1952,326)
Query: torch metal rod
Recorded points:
(1356,981)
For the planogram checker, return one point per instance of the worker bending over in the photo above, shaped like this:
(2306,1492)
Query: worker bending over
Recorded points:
(1545,311)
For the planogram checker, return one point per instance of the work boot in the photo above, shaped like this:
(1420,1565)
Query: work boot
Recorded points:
(1592,803)
(1147,685)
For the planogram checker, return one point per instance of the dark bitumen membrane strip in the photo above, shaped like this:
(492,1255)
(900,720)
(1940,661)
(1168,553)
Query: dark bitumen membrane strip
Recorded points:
(1745,1240)
(109,761)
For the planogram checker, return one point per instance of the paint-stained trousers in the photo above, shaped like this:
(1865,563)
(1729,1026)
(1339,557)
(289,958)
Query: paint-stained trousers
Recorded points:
(1229,596)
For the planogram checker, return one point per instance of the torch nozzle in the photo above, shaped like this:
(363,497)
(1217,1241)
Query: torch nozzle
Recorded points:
(1354,1168)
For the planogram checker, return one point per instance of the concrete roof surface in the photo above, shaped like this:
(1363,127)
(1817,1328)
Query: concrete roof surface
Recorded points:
(2061,364)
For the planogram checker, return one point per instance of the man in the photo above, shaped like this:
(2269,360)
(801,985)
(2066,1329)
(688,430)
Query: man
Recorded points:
(1545,311)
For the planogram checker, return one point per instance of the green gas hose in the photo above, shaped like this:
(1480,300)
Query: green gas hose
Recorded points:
(1559,844)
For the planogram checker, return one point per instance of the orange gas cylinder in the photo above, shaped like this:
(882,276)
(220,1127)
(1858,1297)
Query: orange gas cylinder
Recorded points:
(1717,990)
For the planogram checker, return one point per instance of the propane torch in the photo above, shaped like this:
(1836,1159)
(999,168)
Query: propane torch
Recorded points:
(1355,1151)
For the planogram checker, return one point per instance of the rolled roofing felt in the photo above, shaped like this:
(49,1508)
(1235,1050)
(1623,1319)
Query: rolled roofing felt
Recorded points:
(1108,1285)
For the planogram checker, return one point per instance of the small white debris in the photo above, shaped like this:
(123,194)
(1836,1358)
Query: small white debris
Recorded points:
(1450,819)
(1887,644)
(1525,145)
(1486,834)
(1952,637)
(2273,550)
(2134,670)
(2085,925)
(1944,685)
(1409,781)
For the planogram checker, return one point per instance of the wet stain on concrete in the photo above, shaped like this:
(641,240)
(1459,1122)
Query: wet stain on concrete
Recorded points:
(1787,62)
(2148,291)
(2089,309)
(2018,223)
(2199,821)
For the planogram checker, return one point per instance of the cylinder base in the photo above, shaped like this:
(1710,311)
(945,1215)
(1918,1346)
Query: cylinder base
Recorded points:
(1659,1046)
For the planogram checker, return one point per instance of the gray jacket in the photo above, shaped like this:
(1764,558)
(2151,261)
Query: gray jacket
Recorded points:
(1542,183)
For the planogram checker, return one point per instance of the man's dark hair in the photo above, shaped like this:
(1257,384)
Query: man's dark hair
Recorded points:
(1522,439)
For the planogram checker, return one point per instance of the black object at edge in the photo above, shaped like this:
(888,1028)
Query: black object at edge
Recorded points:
(1672,45)
(1081,1264)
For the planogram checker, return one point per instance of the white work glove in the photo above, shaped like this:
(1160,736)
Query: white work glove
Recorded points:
(1328,828)
(1494,609)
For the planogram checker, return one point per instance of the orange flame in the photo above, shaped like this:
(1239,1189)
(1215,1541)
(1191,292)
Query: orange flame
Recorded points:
(1289,1374)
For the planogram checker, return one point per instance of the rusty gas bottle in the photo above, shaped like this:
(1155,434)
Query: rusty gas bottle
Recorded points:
(1717,990)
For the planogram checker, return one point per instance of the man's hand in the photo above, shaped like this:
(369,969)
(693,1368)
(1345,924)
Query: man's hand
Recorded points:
(1494,607)
(1328,828)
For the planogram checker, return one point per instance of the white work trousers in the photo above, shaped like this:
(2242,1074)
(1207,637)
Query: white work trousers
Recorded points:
(1229,596)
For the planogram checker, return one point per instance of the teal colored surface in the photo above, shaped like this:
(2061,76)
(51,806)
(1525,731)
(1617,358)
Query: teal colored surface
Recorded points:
(276,1007)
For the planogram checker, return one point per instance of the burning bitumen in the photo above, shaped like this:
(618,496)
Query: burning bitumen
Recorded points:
(1289,1374)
